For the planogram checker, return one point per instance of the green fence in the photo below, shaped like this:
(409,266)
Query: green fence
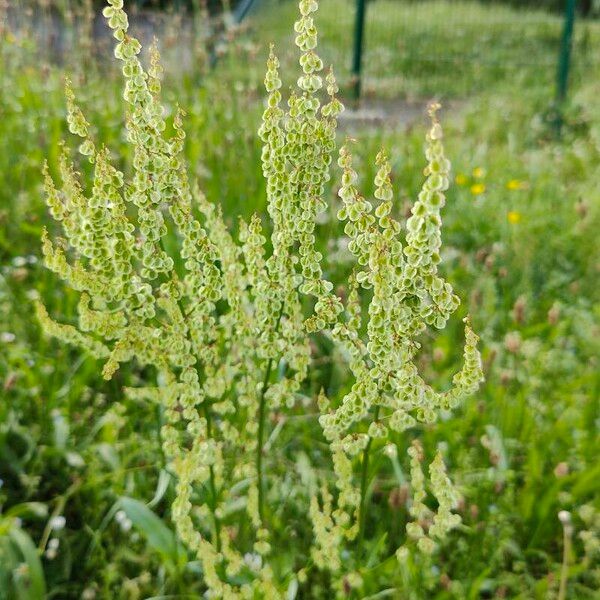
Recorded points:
(384,49)
(460,46)
(446,48)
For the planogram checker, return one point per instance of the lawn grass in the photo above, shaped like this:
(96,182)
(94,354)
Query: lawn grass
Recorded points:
(521,248)
(442,48)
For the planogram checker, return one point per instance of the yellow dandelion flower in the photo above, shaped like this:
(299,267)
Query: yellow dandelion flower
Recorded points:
(513,217)
(477,189)
(515,184)
(479,172)
(461,179)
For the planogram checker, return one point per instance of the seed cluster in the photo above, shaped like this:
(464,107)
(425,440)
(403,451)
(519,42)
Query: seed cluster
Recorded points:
(219,316)
(406,293)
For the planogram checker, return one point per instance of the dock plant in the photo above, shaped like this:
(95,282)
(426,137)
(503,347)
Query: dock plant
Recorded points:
(224,319)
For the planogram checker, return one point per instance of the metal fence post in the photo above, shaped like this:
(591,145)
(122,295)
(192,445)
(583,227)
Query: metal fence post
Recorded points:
(564,60)
(359,30)
(242,9)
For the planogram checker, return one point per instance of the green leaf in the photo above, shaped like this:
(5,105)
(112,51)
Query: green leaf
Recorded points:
(376,550)
(28,509)
(163,483)
(29,583)
(61,431)
(157,534)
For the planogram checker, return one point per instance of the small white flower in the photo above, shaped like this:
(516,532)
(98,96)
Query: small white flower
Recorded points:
(391,451)
(50,554)
(52,549)
(53,544)
(57,523)
(564,516)
(120,516)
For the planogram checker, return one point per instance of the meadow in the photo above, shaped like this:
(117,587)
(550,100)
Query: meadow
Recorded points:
(85,489)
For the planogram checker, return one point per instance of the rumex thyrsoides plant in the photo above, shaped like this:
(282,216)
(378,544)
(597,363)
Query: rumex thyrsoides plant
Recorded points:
(223,319)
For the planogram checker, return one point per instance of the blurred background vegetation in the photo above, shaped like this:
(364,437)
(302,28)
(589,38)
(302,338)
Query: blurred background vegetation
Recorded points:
(84,492)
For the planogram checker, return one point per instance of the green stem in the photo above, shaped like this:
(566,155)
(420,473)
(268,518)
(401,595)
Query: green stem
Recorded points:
(207,416)
(364,477)
(261,435)
(58,509)
(213,486)
(262,408)
(564,571)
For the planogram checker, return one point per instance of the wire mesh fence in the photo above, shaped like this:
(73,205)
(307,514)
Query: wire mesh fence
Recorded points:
(412,49)
(447,48)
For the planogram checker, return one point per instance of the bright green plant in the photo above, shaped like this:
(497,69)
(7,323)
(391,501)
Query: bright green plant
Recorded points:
(225,322)
(21,572)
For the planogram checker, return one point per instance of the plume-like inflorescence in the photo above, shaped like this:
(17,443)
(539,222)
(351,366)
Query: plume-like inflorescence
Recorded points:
(406,295)
(220,318)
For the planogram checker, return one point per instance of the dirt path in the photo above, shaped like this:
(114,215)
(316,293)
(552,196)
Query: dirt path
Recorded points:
(395,113)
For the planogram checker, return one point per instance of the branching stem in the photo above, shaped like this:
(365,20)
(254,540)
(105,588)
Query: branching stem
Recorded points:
(213,485)
(564,571)
(262,408)
(207,416)
(364,478)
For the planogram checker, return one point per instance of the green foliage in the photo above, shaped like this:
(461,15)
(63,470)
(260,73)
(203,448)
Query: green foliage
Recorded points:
(520,231)
(159,537)
(210,359)
(444,48)
(21,572)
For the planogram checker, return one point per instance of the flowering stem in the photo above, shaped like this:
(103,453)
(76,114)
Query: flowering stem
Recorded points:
(207,416)
(564,571)
(213,486)
(261,435)
(363,485)
(262,407)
